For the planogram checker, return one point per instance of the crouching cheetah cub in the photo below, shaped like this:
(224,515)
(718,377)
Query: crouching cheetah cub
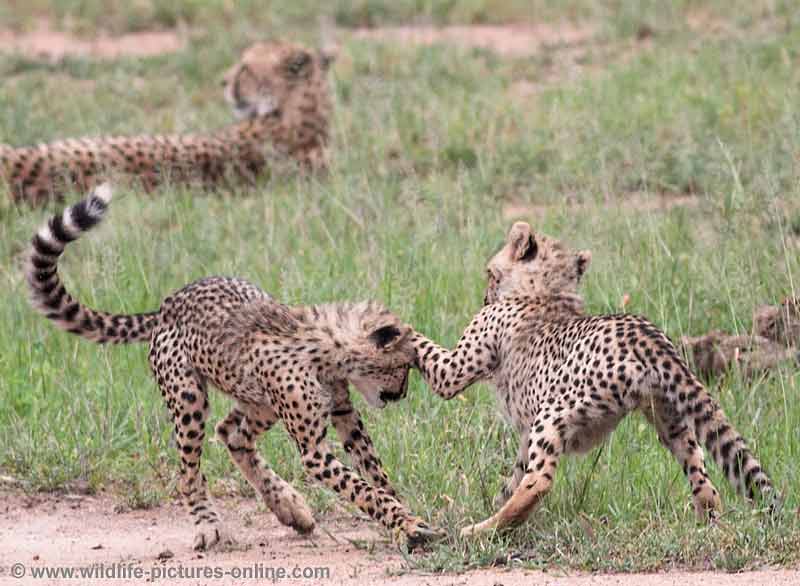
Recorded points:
(280,363)
(278,90)
(567,379)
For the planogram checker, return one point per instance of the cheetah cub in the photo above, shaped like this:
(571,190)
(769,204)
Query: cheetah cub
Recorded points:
(279,362)
(567,379)
(278,90)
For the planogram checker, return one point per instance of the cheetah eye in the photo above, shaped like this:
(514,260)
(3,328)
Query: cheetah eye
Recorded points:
(298,62)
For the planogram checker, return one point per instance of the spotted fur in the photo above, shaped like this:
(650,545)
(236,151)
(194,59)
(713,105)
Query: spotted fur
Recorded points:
(278,362)
(278,90)
(566,379)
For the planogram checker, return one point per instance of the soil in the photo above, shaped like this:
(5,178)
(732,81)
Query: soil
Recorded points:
(506,40)
(44,42)
(82,531)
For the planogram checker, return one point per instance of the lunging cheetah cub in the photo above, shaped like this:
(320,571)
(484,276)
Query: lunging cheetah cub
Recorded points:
(567,379)
(278,89)
(278,362)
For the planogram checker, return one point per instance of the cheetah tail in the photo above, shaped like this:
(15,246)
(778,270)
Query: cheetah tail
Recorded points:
(47,293)
(728,448)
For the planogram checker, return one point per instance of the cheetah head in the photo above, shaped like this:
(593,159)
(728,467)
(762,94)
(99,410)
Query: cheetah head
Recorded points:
(780,323)
(379,356)
(533,264)
(767,321)
(273,77)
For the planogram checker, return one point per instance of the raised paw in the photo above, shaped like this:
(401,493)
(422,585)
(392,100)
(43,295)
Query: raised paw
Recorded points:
(415,532)
(295,513)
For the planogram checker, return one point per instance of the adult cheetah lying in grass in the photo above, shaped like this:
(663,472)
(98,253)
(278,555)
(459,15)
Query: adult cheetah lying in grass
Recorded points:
(567,379)
(278,362)
(278,90)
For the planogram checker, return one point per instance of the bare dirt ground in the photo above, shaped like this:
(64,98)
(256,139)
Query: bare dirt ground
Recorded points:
(507,40)
(567,51)
(44,42)
(82,531)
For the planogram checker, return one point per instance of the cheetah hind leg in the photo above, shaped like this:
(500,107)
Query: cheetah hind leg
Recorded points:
(544,450)
(188,401)
(677,435)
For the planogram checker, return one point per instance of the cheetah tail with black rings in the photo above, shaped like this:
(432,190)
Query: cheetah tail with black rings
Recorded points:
(47,292)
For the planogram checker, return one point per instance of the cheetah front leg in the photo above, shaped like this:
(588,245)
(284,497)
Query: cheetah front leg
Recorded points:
(322,465)
(356,441)
(544,450)
(239,432)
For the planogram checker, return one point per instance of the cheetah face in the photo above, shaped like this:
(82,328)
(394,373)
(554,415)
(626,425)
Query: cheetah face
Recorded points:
(766,321)
(379,369)
(533,264)
(271,76)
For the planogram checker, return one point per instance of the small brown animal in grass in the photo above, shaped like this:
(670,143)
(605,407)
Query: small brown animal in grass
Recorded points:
(717,352)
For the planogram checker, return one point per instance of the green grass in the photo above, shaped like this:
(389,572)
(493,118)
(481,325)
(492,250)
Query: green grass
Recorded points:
(429,145)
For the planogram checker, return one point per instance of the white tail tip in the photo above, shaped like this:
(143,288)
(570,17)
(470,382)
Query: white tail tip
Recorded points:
(104,192)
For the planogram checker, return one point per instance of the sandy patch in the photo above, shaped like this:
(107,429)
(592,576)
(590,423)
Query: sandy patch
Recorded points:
(43,42)
(507,40)
(566,51)
(77,531)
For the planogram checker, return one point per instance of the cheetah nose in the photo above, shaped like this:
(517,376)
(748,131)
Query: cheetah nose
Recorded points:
(388,397)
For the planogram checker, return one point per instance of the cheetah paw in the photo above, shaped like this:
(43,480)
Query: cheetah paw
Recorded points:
(210,536)
(707,505)
(415,532)
(296,514)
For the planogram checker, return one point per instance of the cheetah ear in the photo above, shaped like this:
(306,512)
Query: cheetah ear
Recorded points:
(386,337)
(522,241)
(584,257)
